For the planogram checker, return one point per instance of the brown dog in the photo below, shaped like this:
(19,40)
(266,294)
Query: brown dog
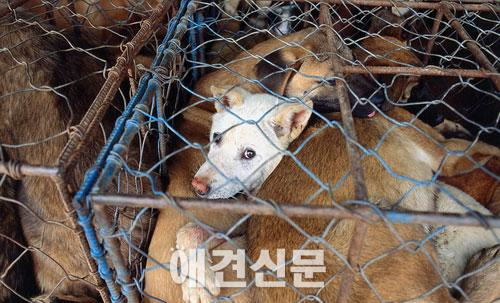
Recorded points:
(479,182)
(103,18)
(158,282)
(45,87)
(484,274)
(160,285)
(294,65)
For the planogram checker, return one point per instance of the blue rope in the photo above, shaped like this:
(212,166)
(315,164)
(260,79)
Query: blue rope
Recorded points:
(194,52)
(80,200)
(98,253)
(93,173)
(199,46)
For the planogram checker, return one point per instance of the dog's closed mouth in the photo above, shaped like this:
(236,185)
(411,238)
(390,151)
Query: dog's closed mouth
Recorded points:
(241,195)
(245,195)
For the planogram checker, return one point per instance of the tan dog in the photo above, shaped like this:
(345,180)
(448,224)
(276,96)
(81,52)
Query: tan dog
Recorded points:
(480,182)
(35,119)
(287,52)
(481,284)
(295,66)
(101,17)
(159,284)
(242,155)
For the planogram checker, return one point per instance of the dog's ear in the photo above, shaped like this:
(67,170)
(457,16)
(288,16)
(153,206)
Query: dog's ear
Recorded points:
(275,70)
(387,23)
(290,120)
(229,96)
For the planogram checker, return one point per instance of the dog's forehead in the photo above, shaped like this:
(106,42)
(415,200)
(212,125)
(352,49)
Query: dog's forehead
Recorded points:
(235,128)
(255,108)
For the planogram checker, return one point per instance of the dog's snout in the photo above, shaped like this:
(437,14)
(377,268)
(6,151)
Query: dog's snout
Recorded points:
(200,186)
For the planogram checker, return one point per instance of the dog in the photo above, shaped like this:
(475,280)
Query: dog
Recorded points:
(15,260)
(236,164)
(296,66)
(483,269)
(103,18)
(173,231)
(476,172)
(46,86)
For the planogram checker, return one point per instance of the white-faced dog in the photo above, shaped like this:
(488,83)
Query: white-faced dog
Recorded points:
(248,142)
(249,137)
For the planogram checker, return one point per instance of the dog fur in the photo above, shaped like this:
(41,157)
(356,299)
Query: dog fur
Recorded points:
(102,18)
(159,284)
(296,65)
(15,260)
(484,270)
(37,109)
(479,182)
(455,246)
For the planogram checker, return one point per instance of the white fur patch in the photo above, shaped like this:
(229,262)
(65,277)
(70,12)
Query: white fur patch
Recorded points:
(247,126)
(422,156)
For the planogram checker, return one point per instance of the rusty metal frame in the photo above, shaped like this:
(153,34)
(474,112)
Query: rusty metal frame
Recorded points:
(483,6)
(420,71)
(471,44)
(77,142)
(294,210)
(434,30)
(360,191)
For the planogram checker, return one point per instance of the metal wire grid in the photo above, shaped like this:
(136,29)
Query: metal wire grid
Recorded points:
(200,19)
(65,25)
(448,60)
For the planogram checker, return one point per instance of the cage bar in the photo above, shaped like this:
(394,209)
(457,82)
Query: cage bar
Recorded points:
(472,45)
(17,170)
(484,6)
(372,215)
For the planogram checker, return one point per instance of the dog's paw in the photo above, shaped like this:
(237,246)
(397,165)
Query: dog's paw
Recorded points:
(200,285)
(196,291)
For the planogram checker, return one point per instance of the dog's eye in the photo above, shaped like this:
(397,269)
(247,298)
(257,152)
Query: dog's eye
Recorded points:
(248,154)
(216,138)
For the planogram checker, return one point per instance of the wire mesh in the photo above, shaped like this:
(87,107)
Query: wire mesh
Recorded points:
(353,143)
(55,56)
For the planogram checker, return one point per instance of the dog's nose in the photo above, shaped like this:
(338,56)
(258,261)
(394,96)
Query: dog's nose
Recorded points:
(200,186)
